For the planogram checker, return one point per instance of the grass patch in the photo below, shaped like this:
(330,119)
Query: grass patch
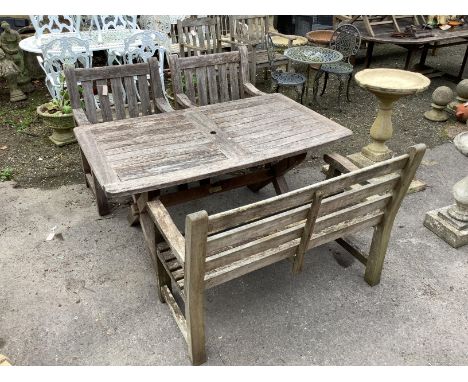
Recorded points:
(6,174)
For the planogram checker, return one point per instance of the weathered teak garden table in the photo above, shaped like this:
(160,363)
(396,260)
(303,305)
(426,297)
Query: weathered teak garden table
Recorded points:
(263,136)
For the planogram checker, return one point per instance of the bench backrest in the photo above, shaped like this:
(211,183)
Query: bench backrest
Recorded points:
(240,240)
(210,78)
(123,90)
(204,34)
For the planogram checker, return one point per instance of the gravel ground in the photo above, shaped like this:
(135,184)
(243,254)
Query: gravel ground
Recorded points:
(37,162)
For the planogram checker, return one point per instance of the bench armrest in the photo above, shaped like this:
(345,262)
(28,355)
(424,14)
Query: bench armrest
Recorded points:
(80,117)
(168,229)
(250,89)
(338,164)
(162,105)
(184,101)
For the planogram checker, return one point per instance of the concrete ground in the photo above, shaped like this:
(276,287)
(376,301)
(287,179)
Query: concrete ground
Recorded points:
(88,297)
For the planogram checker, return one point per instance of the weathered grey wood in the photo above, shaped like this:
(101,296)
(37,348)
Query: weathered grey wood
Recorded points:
(132,101)
(382,233)
(168,229)
(118,94)
(175,310)
(143,91)
(207,37)
(104,99)
(88,96)
(210,72)
(353,250)
(158,151)
(307,232)
(196,229)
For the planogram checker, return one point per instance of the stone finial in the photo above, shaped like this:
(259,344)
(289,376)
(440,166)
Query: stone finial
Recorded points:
(462,91)
(440,99)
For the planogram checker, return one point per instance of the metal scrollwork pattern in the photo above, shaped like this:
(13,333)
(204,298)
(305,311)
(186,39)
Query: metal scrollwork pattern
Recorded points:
(346,39)
(313,55)
(55,23)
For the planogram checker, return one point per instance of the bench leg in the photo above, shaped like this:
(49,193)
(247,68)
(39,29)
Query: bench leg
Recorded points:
(86,168)
(377,253)
(196,231)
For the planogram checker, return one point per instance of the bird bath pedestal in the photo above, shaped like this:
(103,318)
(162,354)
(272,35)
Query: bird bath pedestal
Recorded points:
(388,85)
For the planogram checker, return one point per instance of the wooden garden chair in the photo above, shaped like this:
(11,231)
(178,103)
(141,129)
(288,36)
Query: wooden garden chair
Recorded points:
(211,78)
(124,91)
(220,247)
(199,36)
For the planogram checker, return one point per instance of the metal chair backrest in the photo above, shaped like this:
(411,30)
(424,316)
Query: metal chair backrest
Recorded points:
(44,24)
(110,22)
(346,39)
(58,53)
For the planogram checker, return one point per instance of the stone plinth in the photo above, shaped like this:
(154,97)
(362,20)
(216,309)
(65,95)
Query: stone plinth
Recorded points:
(453,231)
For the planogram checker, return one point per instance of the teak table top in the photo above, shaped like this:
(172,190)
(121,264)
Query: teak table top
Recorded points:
(153,152)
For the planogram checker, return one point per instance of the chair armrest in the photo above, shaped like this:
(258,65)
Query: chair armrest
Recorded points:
(167,228)
(287,36)
(80,117)
(184,101)
(252,90)
(162,105)
(338,164)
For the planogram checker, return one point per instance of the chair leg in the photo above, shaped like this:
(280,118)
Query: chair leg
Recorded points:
(324,84)
(340,90)
(347,88)
(302,92)
(377,254)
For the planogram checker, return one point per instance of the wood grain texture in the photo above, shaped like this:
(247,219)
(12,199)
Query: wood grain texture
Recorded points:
(162,150)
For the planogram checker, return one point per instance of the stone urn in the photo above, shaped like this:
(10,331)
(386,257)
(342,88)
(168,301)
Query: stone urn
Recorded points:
(61,123)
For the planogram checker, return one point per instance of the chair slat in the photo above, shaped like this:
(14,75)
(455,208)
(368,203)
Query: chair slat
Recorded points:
(201,86)
(233,81)
(90,103)
(132,101)
(143,91)
(223,83)
(103,91)
(189,86)
(118,96)
(212,84)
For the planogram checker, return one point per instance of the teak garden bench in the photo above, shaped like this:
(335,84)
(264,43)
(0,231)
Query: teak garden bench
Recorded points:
(220,247)
(124,91)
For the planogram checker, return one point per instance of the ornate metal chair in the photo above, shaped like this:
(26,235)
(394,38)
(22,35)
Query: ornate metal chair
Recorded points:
(116,23)
(281,78)
(141,46)
(60,52)
(346,39)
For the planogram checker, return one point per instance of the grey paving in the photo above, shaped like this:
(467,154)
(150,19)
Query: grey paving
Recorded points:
(90,299)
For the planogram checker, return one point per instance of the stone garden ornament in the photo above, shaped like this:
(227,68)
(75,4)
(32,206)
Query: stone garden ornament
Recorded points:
(440,99)
(9,42)
(10,71)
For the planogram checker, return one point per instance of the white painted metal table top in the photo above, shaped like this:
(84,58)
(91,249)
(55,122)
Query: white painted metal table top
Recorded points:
(110,39)
(158,151)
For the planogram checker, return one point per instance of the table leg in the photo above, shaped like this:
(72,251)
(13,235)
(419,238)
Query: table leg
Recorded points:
(315,87)
(279,169)
(462,68)
(409,56)
(370,49)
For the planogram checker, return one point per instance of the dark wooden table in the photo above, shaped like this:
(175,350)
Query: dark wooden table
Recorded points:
(454,36)
(254,141)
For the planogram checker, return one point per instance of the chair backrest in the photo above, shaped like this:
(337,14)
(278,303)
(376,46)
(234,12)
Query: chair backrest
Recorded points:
(145,44)
(53,24)
(249,29)
(241,240)
(346,39)
(110,22)
(123,90)
(60,52)
(203,33)
(210,78)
